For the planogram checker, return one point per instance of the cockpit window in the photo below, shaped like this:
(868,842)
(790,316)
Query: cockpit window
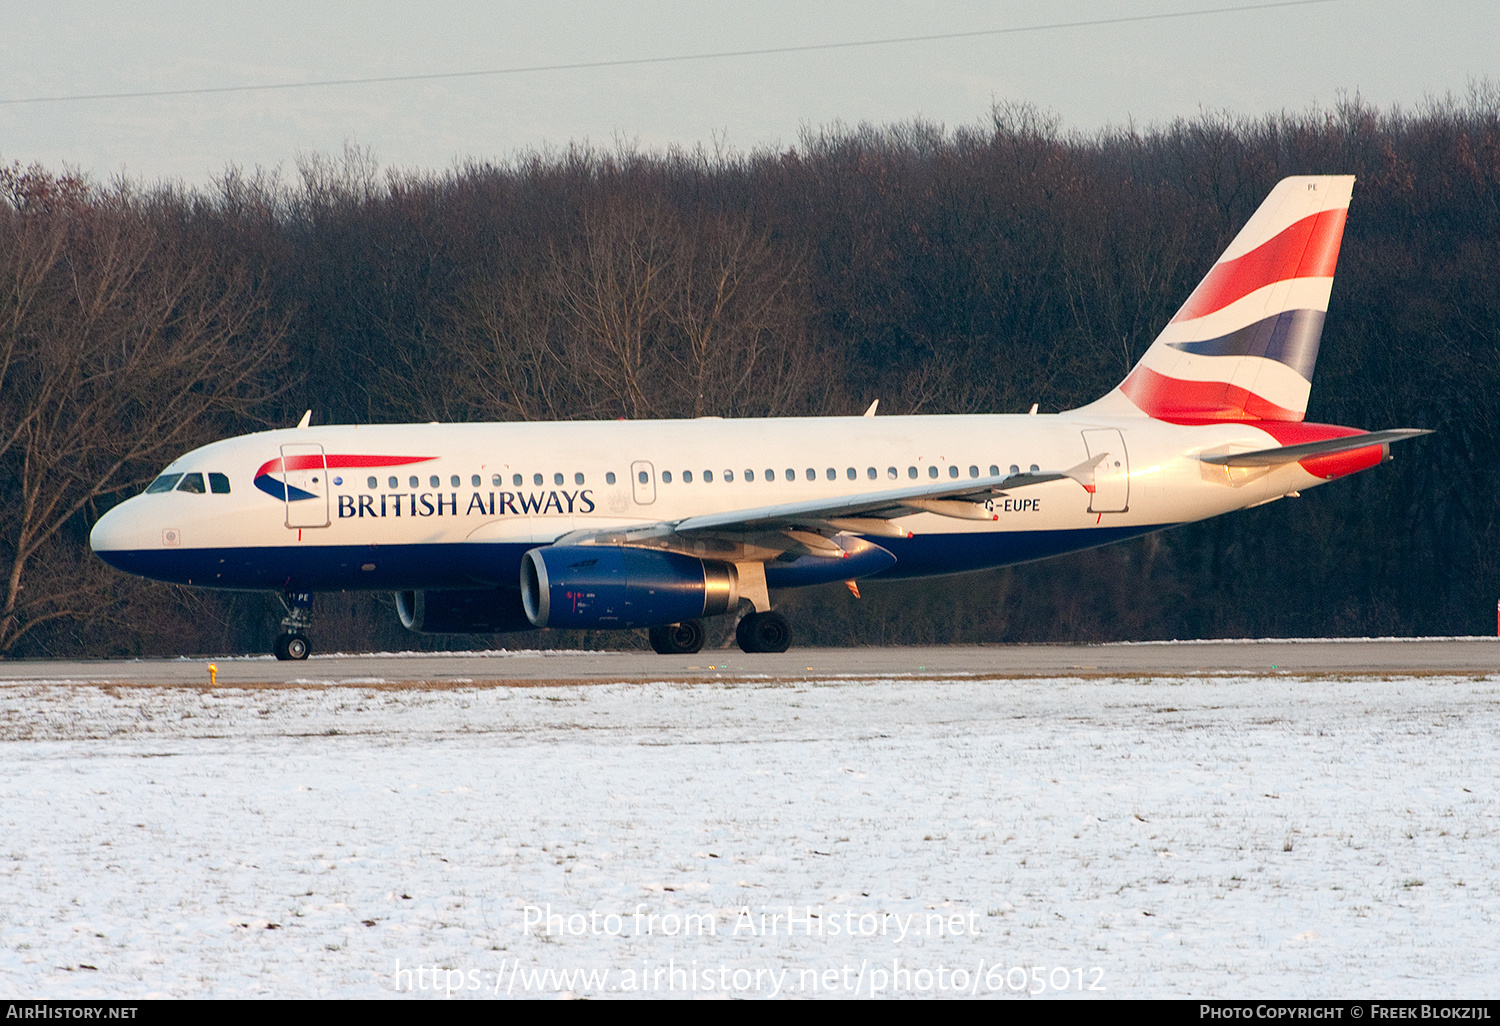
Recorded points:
(219,484)
(192,483)
(163,483)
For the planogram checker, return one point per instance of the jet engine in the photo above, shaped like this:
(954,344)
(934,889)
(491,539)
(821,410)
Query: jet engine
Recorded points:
(604,586)
(490,611)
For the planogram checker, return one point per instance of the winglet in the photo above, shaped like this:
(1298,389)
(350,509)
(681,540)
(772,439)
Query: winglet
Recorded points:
(1084,472)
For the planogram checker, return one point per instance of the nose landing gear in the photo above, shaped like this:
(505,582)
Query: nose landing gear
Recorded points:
(292,642)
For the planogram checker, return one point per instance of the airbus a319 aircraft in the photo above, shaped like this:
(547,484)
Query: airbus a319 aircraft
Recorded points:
(659,524)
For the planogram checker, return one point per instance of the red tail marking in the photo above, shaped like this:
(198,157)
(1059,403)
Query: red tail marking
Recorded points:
(1340,463)
(1167,398)
(1307,249)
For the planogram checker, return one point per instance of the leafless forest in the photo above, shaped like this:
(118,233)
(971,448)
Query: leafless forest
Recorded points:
(972,270)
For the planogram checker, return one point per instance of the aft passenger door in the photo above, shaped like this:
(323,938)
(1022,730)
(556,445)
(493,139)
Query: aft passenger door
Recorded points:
(304,469)
(1112,474)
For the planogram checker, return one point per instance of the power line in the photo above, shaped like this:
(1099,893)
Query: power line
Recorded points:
(674,59)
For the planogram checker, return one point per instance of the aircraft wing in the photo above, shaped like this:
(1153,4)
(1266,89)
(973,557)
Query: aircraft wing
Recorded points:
(1325,447)
(864,513)
(946,498)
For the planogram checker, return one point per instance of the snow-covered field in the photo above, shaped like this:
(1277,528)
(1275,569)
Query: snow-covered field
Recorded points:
(1221,836)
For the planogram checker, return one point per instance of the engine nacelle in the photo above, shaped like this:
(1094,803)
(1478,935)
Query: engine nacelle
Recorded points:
(605,586)
(481,611)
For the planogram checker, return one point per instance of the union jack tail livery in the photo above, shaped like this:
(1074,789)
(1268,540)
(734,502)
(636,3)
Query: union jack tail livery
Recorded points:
(1243,346)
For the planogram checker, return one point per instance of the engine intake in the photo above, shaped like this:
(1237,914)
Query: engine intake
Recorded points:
(608,586)
(491,611)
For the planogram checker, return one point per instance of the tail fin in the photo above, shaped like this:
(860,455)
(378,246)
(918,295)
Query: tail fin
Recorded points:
(1244,344)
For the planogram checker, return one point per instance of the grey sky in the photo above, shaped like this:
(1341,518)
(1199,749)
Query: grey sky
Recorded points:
(1251,62)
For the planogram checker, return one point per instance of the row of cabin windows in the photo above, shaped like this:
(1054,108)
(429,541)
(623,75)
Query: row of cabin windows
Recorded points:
(832,474)
(477,480)
(790,474)
(193,483)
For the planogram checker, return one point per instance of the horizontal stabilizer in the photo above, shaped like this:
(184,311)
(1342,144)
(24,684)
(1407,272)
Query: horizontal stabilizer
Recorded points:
(1328,446)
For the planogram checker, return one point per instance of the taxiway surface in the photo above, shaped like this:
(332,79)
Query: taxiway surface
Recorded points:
(1341,656)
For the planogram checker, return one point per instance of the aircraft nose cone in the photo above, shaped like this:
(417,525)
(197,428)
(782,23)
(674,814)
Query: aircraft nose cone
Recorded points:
(113,534)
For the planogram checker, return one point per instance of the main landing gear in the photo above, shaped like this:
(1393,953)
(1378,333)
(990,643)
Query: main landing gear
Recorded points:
(292,642)
(683,638)
(763,632)
(756,632)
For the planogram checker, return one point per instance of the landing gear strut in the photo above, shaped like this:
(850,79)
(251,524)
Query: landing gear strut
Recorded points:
(763,632)
(683,638)
(292,642)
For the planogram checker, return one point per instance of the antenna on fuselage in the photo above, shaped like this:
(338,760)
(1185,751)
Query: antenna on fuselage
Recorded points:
(306,419)
(871,411)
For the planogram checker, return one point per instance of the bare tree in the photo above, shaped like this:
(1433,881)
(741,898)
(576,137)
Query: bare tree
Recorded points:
(741,313)
(122,333)
(642,313)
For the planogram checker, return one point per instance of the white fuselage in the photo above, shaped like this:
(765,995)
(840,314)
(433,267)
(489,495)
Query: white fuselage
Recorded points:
(454,515)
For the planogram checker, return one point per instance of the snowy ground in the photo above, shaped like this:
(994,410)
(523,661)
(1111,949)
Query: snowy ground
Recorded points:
(1229,837)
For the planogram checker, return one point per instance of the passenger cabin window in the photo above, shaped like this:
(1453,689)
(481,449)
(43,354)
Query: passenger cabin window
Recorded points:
(496,480)
(434,482)
(219,484)
(911,472)
(728,476)
(687,477)
(192,483)
(372,483)
(1034,468)
(851,473)
(165,483)
(557,479)
(413,481)
(831,474)
(1014,469)
(578,479)
(749,475)
(515,480)
(791,475)
(476,480)
(454,480)
(812,475)
(394,483)
(890,472)
(643,477)
(666,477)
(952,471)
(932,471)
(871,473)
(536,479)
(994,471)
(770,475)
(708,477)
(609,477)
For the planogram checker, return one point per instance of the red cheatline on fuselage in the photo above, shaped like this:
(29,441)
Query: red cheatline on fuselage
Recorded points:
(334,461)
(317,461)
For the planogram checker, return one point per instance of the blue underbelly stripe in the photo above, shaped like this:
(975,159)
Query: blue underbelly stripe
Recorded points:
(487,564)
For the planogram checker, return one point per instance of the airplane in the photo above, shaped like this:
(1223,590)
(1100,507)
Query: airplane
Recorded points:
(489,528)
